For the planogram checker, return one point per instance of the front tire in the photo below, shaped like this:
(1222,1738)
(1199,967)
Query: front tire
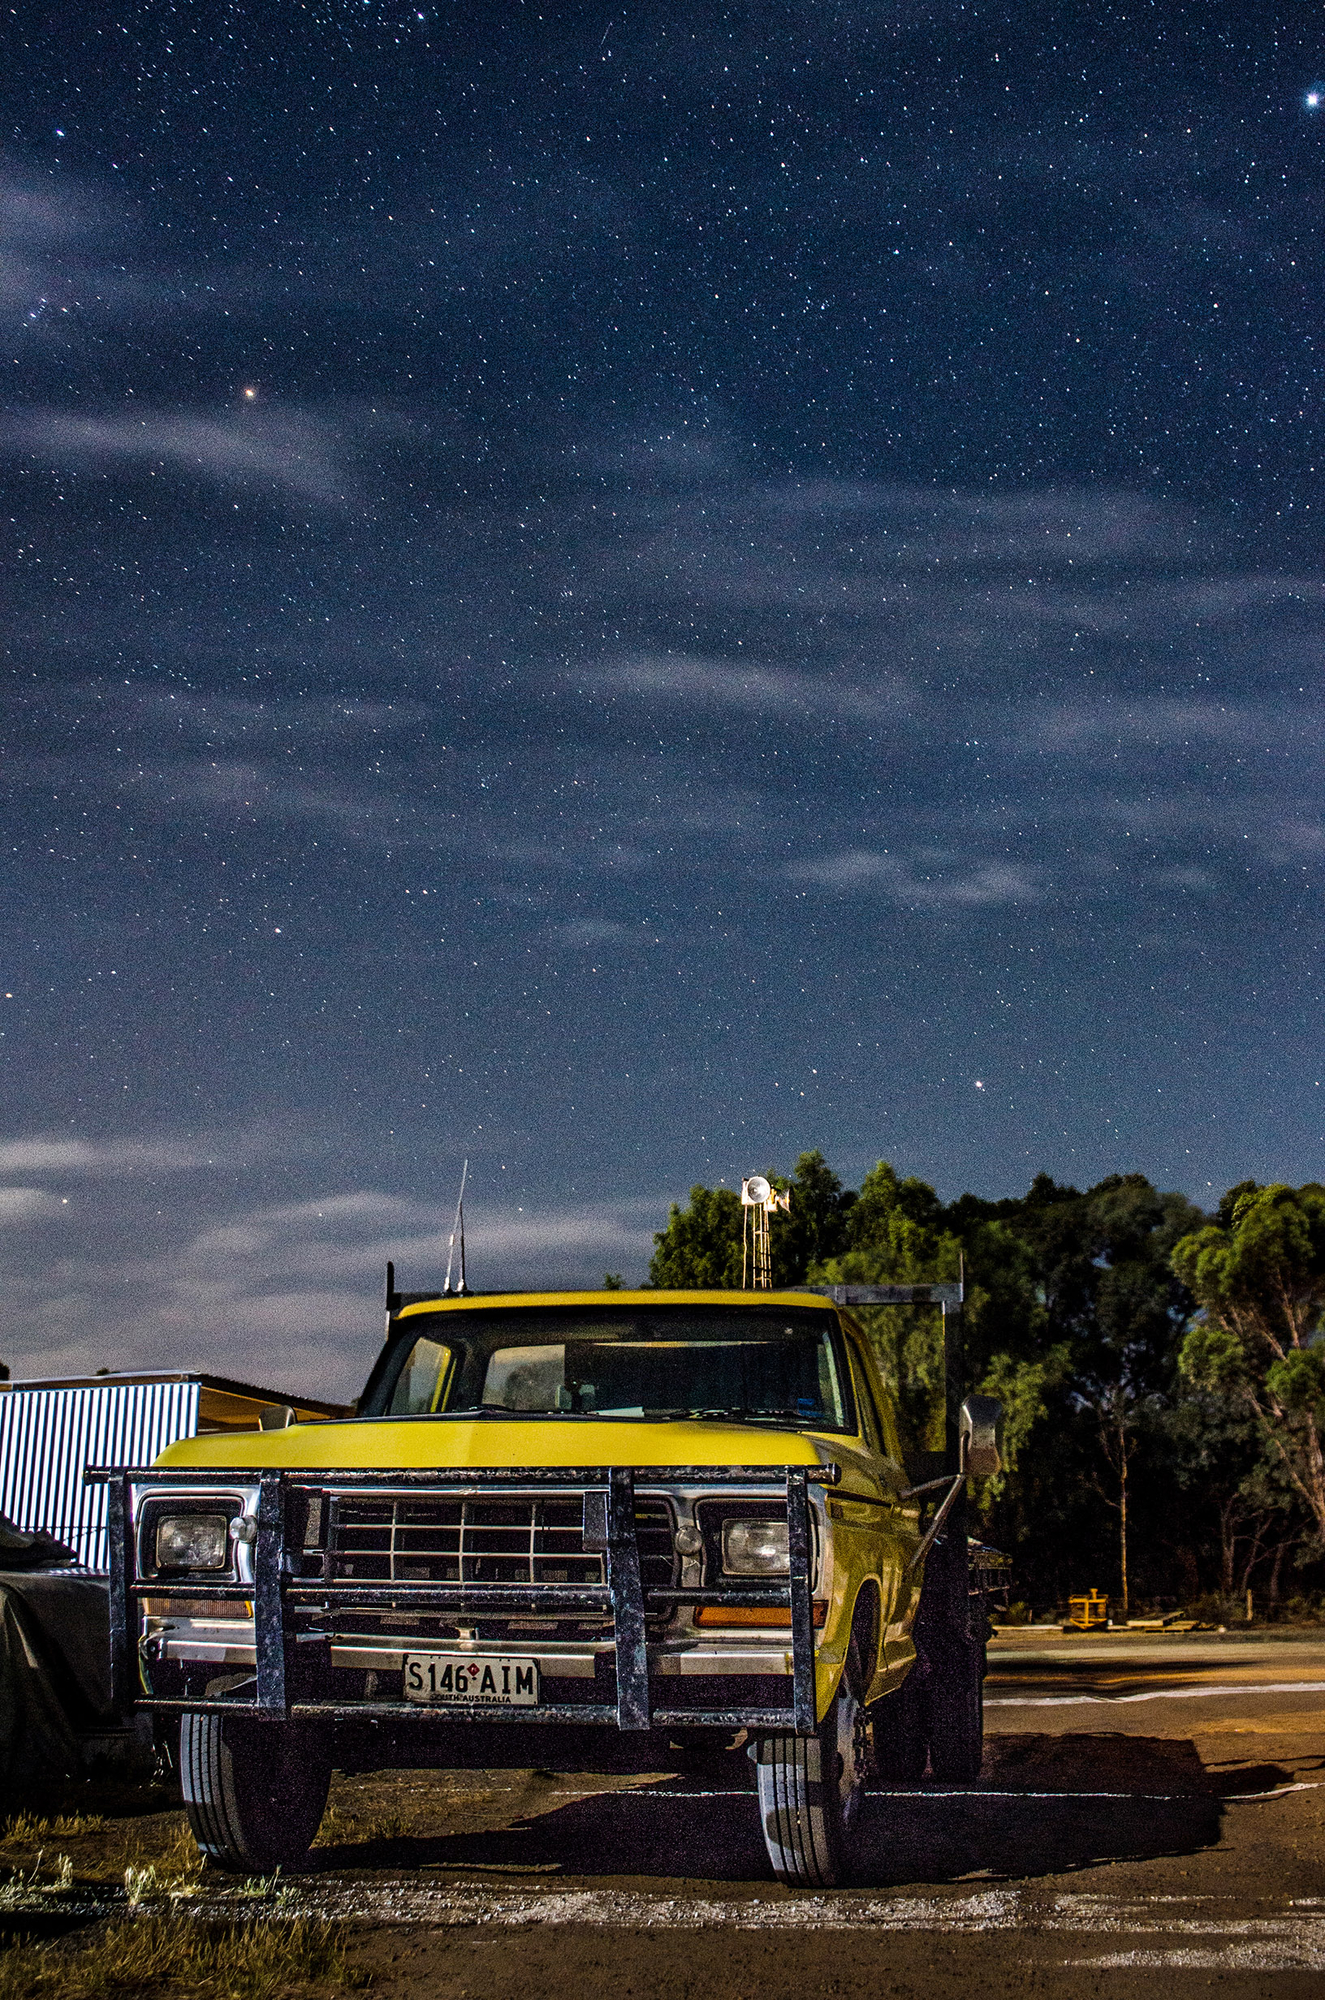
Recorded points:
(254,1791)
(811,1789)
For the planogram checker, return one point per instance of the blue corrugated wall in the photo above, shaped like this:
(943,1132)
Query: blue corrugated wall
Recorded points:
(49,1436)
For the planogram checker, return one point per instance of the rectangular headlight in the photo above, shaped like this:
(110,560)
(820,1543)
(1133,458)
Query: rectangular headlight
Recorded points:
(192,1541)
(755,1548)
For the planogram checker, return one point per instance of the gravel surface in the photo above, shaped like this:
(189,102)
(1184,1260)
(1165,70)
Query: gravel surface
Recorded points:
(1148,1807)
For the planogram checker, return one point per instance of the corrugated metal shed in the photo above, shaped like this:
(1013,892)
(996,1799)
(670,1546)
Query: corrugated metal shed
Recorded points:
(52,1430)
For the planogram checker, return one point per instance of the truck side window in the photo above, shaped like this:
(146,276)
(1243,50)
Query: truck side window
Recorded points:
(874,1430)
(422,1380)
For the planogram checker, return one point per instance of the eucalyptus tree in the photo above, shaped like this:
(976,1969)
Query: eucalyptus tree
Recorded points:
(1258,1274)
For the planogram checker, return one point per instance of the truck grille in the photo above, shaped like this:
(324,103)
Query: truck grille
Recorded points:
(480,1538)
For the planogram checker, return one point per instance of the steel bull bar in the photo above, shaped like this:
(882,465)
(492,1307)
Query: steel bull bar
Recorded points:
(277,1589)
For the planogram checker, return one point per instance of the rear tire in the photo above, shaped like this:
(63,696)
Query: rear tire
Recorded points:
(811,1788)
(950,1631)
(254,1791)
(901,1731)
(956,1692)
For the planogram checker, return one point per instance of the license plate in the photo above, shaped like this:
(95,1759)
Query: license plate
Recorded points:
(502,1682)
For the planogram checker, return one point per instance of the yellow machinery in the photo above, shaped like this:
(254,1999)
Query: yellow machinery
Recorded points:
(1089,1613)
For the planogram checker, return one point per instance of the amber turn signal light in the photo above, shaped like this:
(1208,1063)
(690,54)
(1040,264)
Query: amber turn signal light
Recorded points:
(756,1614)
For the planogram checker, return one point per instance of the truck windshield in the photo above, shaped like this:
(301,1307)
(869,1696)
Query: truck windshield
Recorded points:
(769,1364)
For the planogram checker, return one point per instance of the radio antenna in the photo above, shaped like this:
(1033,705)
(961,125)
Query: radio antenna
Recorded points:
(458,1229)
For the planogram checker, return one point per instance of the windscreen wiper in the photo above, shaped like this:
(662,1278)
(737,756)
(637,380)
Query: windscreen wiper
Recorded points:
(495,1410)
(745,1416)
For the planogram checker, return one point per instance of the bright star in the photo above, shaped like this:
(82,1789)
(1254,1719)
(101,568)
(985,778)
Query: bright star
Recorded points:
(250,395)
(1313,98)
(978,1084)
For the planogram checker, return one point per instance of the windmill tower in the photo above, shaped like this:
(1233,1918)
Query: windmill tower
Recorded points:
(759,1200)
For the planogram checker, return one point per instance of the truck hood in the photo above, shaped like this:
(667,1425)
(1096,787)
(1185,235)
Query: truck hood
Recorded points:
(420,1443)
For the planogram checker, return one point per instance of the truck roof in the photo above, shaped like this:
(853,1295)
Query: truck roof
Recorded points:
(422,1302)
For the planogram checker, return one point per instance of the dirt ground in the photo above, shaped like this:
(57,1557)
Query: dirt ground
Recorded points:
(1149,1811)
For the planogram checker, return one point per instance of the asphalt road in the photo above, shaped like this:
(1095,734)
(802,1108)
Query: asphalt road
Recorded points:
(1151,1809)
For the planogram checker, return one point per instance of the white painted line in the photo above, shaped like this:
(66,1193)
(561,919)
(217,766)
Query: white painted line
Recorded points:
(655,1795)
(932,1794)
(941,1793)
(1154,1694)
(1283,1957)
(1202,1941)
(937,1793)
(1279,1792)
(1219,1798)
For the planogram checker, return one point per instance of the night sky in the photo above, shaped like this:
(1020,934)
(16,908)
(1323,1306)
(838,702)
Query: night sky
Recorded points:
(625,591)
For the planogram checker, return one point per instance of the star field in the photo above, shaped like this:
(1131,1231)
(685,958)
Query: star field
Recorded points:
(624,591)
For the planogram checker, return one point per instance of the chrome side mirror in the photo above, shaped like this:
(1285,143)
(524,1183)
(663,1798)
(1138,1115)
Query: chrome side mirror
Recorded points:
(982,1437)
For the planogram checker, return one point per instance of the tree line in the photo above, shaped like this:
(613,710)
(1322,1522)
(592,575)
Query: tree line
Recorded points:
(1161,1368)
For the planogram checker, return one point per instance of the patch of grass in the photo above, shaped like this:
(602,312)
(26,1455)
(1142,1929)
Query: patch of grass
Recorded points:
(103,1848)
(180,1867)
(260,1888)
(175,1871)
(21,1890)
(174,1956)
(105,1851)
(341,1828)
(24,1829)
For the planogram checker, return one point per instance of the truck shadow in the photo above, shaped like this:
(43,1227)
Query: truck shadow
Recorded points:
(1044,1805)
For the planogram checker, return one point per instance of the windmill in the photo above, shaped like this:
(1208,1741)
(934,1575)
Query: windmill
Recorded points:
(759,1200)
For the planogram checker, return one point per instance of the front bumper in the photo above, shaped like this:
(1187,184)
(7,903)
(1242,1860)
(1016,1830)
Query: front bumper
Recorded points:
(300,1663)
(232,1643)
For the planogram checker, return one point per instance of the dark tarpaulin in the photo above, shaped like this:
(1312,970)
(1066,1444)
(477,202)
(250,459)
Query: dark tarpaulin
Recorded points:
(54,1657)
(31,1548)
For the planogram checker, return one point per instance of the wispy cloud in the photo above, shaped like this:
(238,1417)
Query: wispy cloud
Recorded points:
(254,791)
(221,719)
(296,454)
(1161,723)
(27,1204)
(841,550)
(588,933)
(351,1235)
(287,1294)
(63,259)
(919,527)
(923,881)
(66,1157)
(754,689)
(58,1158)
(1299,836)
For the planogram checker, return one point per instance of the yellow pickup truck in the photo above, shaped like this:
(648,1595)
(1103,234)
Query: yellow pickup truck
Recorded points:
(584,1528)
